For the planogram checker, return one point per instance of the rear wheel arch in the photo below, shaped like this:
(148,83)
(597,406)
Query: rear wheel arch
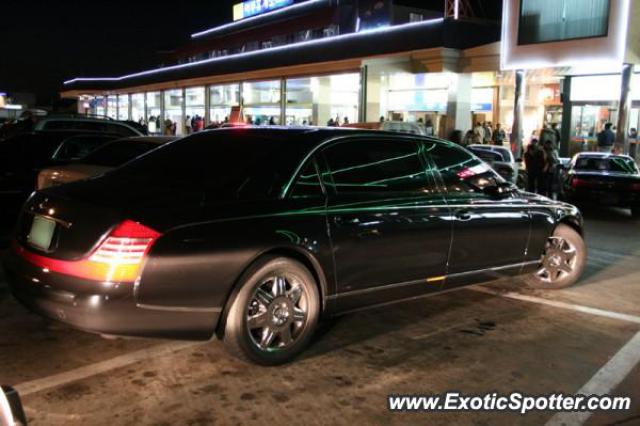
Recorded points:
(306,259)
(573,223)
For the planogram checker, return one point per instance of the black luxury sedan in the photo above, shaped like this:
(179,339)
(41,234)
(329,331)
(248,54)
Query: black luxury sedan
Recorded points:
(254,234)
(605,179)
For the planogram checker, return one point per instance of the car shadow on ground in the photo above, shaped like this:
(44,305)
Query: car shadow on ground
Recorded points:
(408,322)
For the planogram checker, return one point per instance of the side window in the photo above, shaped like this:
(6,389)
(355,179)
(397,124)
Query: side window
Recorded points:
(119,130)
(461,171)
(376,166)
(307,185)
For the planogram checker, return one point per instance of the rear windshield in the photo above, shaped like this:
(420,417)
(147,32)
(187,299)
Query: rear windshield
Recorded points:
(486,155)
(119,152)
(227,165)
(79,147)
(610,164)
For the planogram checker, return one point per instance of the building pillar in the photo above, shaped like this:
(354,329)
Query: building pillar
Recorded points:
(207,105)
(624,110)
(495,117)
(517,130)
(373,87)
(459,104)
(283,101)
(565,135)
(364,95)
(321,112)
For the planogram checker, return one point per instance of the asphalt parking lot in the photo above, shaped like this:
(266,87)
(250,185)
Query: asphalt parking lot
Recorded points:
(496,338)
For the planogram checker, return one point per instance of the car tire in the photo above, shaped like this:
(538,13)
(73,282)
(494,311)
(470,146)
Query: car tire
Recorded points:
(563,261)
(274,313)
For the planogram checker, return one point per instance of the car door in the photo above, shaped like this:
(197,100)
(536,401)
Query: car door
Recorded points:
(490,229)
(388,220)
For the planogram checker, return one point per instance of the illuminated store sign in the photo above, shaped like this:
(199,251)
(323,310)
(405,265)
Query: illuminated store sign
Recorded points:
(257,7)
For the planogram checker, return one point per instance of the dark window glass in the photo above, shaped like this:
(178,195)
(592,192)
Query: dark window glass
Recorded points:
(614,164)
(460,170)
(486,155)
(79,147)
(119,130)
(117,153)
(556,20)
(308,183)
(227,165)
(91,126)
(376,166)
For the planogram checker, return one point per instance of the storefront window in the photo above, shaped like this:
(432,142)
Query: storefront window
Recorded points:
(318,100)
(420,98)
(123,107)
(195,109)
(137,108)
(221,99)
(112,107)
(100,106)
(154,112)
(173,119)
(261,102)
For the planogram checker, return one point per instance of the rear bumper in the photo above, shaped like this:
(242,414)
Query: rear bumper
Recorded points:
(603,197)
(104,308)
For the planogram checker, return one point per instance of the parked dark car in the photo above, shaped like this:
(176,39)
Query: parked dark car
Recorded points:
(605,179)
(502,161)
(21,159)
(107,157)
(255,234)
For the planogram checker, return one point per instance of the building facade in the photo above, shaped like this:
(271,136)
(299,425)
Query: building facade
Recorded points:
(317,61)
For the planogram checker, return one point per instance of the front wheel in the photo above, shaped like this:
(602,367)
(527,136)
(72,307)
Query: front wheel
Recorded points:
(563,260)
(274,314)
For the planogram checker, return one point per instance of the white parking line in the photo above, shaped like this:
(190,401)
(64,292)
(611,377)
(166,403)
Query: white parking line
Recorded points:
(37,385)
(561,305)
(605,381)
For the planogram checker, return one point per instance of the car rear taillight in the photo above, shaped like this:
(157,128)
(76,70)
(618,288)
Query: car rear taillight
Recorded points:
(577,182)
(118,258)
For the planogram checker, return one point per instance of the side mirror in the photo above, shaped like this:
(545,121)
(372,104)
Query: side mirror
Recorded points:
(11,412)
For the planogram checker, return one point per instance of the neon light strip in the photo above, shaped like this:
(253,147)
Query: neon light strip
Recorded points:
(363,34)
(277,12)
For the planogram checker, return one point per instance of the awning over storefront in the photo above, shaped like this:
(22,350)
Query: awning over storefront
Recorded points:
(438,33)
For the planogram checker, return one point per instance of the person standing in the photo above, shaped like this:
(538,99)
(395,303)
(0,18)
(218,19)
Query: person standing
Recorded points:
(548,135)
(550,170)
(469,138)
(556,131)
(534,162)
(430,130)
(478,134)
(187,125)
(606,139)
(499,136)
(488,133)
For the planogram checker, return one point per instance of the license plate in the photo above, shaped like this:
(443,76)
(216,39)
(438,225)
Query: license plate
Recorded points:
(41,232)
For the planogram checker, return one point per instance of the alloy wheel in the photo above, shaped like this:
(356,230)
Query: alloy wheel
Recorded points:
(277,312)
(559,260)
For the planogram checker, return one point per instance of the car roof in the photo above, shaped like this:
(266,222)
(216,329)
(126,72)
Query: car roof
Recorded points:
(148,139)
(488,147)
(42,121)
(311,136)
(602,155)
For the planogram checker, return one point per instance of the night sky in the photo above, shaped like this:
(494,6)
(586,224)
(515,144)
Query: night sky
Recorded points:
(47,41)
